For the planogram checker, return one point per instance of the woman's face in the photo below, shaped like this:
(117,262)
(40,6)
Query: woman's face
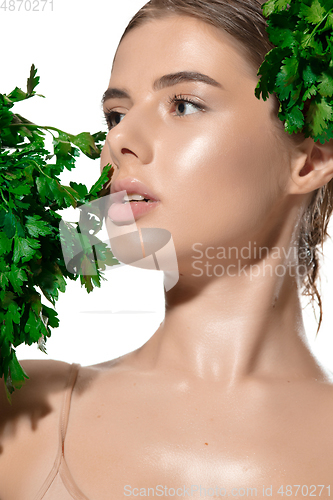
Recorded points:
(216,164)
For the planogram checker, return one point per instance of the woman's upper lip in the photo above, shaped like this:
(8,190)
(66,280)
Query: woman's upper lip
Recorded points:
(132,185)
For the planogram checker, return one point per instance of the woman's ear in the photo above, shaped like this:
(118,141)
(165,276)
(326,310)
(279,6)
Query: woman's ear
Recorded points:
(312,168)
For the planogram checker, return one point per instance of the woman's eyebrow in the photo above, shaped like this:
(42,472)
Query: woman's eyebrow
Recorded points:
(163,82)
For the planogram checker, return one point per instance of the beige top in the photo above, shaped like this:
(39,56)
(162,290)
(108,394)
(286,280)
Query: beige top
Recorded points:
(60,484)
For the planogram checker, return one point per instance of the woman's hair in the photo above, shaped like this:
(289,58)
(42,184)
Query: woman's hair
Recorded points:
(243,19)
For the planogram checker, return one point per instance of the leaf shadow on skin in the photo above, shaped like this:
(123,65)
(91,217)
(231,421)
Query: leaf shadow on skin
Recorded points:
(41,395)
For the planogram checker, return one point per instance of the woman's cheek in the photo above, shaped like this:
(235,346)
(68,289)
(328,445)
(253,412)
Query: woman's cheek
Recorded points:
(196,151)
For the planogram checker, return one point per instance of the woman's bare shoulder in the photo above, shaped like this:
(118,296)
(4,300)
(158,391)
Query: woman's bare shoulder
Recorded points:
(45,376)
(47,382)
(38,398)
(29,424)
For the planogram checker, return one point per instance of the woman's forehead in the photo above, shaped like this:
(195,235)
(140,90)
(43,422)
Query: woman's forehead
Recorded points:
(177,40)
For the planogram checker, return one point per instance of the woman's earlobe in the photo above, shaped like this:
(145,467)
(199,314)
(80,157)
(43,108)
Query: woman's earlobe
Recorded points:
(312,169)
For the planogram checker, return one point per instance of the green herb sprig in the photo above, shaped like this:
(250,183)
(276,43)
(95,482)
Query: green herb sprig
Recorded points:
(299,70)
(31,256)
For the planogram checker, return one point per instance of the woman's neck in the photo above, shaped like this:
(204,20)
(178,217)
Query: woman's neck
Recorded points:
(225,329)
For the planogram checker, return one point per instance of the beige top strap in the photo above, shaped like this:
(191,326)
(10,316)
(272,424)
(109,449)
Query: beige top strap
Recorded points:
(64,416)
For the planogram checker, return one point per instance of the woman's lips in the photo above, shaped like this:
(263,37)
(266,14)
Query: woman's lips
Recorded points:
(131,186)
(127,212)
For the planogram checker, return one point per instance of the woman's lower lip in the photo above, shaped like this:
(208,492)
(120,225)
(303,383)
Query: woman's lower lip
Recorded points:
(125,212)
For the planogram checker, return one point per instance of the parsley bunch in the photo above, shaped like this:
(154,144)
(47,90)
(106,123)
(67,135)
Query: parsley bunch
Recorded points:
(31,256)
(299,70)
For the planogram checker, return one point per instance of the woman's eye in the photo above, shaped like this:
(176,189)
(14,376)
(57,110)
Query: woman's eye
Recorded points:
(184,106)
(113,118)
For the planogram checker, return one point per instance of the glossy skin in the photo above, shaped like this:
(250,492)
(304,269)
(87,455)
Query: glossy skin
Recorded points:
(225,176)
(226,393)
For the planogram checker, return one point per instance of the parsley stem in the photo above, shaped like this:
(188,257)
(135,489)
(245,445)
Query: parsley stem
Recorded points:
(317,26)
(1,192)
(33,125)
(36,164)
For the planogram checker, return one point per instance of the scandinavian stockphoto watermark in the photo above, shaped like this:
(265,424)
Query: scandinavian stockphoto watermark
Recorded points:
(199,491)
(250,261)
(85,243)
(84,246)
(26,5)
(194,490)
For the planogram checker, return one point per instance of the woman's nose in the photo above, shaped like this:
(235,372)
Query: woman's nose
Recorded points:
(132,139)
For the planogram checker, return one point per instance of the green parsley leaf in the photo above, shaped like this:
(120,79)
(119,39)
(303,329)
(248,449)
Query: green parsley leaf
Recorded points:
(37,227)
(33,80)
(274,6)
(319,113)
(313,13)
(299,71)
(31,253)
(325,85)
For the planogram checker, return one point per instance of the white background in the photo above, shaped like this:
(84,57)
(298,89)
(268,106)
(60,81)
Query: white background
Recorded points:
(72,47)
